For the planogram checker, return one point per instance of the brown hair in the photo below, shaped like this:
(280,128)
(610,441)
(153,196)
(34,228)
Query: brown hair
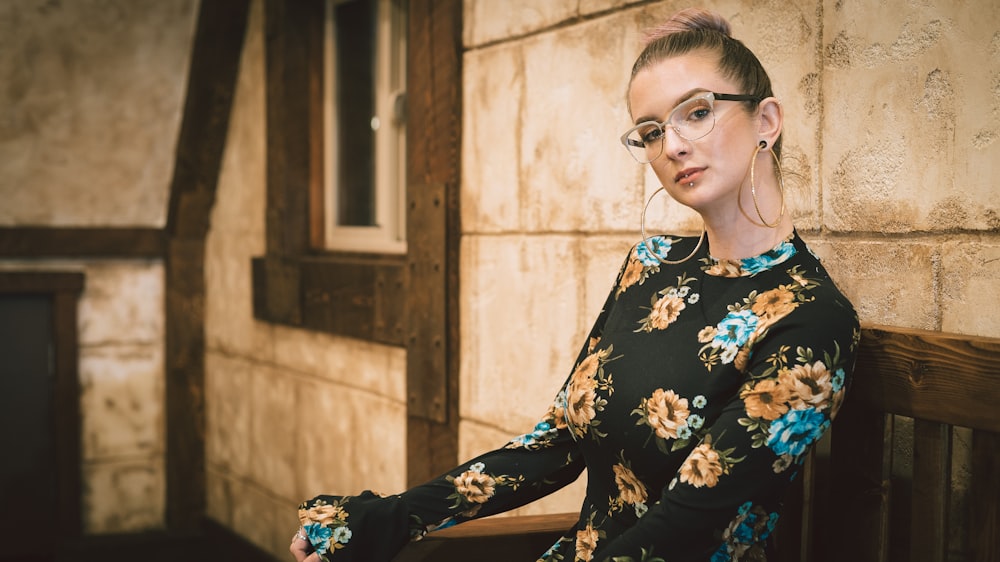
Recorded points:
(696,29)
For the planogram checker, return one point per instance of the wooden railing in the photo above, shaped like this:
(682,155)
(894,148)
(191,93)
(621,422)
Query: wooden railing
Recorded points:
(850,503)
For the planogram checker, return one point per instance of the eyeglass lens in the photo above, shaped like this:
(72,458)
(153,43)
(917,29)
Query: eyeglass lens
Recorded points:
(691,120)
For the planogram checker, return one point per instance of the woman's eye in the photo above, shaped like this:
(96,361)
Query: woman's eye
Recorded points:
(651,136)
(699,114)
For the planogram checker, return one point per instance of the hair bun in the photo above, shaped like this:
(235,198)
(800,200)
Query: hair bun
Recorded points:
(689,19)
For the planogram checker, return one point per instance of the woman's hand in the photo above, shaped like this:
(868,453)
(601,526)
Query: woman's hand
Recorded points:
(301,549)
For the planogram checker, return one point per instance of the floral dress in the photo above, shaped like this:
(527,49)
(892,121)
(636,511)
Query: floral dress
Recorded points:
(692,405)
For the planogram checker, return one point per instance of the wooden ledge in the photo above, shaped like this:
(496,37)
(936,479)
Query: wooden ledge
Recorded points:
(492,539)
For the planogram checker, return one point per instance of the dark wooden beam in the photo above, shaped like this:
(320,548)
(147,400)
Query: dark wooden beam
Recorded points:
(81,242)
(211,84)
(433,139)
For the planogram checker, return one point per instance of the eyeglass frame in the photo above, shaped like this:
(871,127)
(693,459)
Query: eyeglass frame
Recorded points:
(662,126)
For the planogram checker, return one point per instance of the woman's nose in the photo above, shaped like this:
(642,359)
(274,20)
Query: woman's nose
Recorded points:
(674,145)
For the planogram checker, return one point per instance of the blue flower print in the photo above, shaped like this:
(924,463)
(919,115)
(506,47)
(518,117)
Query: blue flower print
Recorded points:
(319,536)
(838,380)
(721,555)
(792,433)
(695,421)
(735,329)
(651,248)
(763,262)
(543,431)
(477,467)
(699,401)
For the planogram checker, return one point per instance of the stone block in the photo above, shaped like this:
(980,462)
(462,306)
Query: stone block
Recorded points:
(122,303)
(123,495)
(890,282)
(486,21)
(377,368)
(219,496)
(576,173)
(910,96)
(970,302)
(520,315)
(273,430)
(349,440)
(228,405)
(121,400)
(264,520)
(230,325)
(493,91)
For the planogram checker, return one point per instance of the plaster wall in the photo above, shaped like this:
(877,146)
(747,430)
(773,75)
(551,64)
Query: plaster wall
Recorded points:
(89,114)
(90,109)
(892,117)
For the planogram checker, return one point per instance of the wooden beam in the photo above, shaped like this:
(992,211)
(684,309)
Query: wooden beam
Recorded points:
(211,84)
(433,140)
(81,242)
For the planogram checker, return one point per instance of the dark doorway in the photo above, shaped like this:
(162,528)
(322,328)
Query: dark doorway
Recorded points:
(39,414)
(27,444)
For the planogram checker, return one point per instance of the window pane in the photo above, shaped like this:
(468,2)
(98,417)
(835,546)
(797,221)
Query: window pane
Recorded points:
(355,46)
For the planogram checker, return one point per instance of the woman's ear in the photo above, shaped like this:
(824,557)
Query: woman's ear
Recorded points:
(772,119)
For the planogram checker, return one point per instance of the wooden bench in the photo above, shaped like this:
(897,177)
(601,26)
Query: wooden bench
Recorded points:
(879,488)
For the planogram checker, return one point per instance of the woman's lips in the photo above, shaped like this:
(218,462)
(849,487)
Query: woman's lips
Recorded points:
(689,175)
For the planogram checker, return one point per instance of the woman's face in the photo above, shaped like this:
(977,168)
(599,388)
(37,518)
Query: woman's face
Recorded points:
(704,174)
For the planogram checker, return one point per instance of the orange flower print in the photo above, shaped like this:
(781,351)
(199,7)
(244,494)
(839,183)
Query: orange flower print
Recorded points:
(811,385)
(475,487)
(665,412)
(775,303)
(667,304)
(664,312)
(768,399)
(582,402)
(586,542)
(630,489)
(702,467)
(632,274)
(581,398)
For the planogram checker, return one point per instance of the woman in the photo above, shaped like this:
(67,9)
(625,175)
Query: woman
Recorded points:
(714,366)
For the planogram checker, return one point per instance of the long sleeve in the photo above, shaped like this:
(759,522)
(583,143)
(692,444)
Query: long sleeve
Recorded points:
(372,528)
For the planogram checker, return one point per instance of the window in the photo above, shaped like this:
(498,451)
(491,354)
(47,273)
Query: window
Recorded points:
(364,57)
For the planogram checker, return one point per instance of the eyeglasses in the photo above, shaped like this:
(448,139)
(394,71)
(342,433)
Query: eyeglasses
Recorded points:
(691,120)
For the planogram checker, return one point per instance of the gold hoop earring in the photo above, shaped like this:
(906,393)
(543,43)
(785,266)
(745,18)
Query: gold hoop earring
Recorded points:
(645,240)
(753,188)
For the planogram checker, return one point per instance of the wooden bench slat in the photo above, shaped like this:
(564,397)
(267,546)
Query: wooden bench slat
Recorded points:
(930,376)
(930,492)
(985,499)
(861,467)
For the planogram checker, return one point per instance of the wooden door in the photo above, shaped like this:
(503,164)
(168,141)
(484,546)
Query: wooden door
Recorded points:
(27,434)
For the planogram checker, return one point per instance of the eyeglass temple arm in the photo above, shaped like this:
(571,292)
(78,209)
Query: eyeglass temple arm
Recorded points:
(736,97)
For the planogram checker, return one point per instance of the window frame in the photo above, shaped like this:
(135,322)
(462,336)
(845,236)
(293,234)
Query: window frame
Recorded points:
(388,235)
(406,300)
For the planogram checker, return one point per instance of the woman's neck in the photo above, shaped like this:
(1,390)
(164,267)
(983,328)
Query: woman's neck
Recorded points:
(739,239)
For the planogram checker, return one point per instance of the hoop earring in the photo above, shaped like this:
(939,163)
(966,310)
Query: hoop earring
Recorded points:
(645,240)
(753,188)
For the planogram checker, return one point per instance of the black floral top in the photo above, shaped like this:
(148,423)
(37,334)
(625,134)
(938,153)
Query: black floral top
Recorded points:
(692,406)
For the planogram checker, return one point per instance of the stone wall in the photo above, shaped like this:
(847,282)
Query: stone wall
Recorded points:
(892,113)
